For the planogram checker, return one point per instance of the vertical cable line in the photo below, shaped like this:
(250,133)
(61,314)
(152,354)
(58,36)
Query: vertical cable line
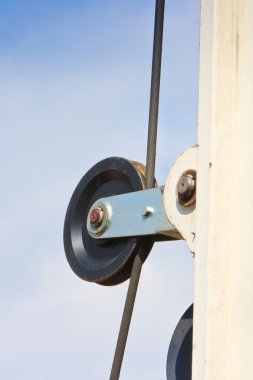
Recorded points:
(150,181)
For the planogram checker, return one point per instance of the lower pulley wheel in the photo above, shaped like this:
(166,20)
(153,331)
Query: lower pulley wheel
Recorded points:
(179,359)
(104,261)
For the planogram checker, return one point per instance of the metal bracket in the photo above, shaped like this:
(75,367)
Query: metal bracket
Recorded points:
(181,217)
(157,211)
(132,214)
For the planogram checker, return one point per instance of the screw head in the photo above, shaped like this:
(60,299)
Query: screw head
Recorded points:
(96,216)
(147,211)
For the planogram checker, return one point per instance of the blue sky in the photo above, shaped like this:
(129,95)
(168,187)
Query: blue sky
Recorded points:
(73,73)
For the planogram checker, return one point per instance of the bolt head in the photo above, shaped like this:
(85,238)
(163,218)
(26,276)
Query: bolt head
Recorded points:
(186,184)
(186,189)
(96,216)
(148,211)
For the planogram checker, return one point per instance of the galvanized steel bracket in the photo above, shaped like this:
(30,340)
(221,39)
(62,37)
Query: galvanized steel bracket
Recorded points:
(132,214)
(149,212)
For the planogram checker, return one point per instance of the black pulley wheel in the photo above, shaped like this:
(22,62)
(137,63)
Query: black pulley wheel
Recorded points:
(104,261)
(179,359)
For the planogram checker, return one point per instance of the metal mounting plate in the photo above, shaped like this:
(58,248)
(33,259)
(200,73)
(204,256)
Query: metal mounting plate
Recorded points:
(133,214)
(183,218)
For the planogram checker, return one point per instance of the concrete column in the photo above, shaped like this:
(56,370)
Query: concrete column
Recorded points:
(223,311)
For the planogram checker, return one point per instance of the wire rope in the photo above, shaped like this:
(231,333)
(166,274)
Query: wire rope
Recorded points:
(150,181)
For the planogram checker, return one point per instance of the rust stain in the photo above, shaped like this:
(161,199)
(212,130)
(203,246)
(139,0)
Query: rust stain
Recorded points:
(141,169)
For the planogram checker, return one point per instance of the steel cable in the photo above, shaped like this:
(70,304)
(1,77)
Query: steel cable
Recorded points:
(150,180)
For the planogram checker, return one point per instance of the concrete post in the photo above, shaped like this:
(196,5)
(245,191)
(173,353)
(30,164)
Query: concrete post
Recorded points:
(223,311)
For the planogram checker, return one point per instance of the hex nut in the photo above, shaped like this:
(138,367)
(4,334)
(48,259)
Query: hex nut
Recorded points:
(186,188)
(98,219)
(96,216)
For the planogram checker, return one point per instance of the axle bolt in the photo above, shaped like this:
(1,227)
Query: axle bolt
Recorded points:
(186,189)
(96,216)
